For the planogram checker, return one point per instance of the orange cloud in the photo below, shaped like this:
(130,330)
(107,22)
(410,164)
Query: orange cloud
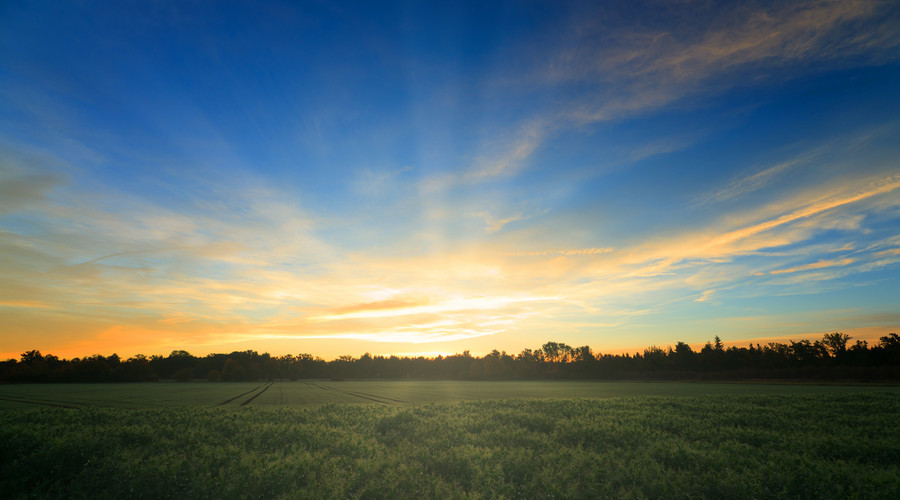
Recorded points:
(876,188)
(577,251)
(887,253)
(444,306)
(815,265)
(394,303)
(32,304)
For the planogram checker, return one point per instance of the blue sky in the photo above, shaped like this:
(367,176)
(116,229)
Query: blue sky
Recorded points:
(416,178)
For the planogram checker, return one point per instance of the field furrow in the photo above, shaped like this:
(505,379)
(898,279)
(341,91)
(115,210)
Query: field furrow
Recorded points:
(32,402)
(264,389)
(223,403)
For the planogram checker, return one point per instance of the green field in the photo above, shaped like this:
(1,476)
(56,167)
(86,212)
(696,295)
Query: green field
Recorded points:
(393,393)
(414,439)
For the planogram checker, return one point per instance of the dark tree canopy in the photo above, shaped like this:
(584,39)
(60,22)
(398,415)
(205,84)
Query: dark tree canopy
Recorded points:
(829,358)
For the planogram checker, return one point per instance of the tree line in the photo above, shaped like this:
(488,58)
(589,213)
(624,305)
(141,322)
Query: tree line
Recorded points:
(832,357)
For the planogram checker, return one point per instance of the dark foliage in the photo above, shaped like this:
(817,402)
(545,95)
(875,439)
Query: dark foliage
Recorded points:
(828,359)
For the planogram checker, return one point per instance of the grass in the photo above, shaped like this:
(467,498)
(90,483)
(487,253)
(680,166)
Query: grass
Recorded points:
(165,395)
(699,441)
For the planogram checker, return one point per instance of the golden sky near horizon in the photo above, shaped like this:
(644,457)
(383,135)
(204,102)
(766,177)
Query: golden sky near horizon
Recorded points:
(396,179)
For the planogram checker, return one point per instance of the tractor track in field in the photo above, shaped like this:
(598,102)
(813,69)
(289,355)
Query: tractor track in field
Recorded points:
(257,394)
(365,395)
(223,403)
(39,403)
(326,388)
(371,397)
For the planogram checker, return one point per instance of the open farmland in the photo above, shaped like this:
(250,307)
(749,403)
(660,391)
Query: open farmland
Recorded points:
(306,393)
(410,439)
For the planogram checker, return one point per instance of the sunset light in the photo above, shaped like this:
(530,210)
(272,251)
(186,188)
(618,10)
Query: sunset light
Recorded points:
(391,178)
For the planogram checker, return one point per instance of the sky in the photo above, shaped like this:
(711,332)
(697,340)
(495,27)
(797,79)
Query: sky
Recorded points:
(423,178)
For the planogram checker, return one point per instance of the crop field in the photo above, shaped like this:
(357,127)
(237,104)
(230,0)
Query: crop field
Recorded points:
(415,439)
(393,392)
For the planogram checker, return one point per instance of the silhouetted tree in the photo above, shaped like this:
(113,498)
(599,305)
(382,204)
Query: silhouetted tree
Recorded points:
(718,345)
(836,343)
(684,356)
(137,369)
(826,358)
(654,358)
(888,352)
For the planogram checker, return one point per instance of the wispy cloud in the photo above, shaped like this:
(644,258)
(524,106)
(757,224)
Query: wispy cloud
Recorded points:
(393,303)
(427,336)
(511,159)
(20,190)
(568,252)
(631,70)
(444,306)
(493,224)
(887,253)
(467,246)
(815,265)
(31,304)
(263,273)
(822,203)
(754,182)
(502,158)
(376,183)
(720,42)
(628,71)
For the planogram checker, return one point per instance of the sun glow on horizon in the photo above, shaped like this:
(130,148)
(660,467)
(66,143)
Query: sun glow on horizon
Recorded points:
(348,183)
(446,306)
